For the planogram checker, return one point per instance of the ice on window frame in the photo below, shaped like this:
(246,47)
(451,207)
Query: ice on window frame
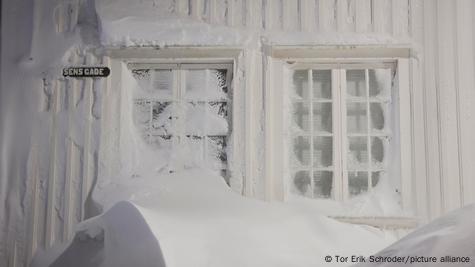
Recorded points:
(322,184)
(380,83)
(206,85)
(154,101)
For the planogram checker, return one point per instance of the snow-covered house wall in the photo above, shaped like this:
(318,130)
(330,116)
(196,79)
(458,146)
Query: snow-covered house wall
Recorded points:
(58,142)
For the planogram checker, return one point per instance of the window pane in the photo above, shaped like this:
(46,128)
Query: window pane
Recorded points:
(322,86)
(323,151)
(141,115)
(357,182)
(302,184)
(375,178)
(377,152)
(301,116)
(302,151)
(357,153)
(379,82)
(322,117)
(378,119)
(216,152)
(323,184)
(162,83)
(356,118)
(161,142)
(162,118)
(300,84)
(195,114)
(217,85)
(153,83)
(195,84)
(355,83)
(217,118)
(194,150)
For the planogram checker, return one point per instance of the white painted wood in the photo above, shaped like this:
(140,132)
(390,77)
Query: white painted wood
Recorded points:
(273,15)
(309,18)
(254,14)
(419,172)
(327,15)
(292,18)
(342,135)
(338,192)
(431,114)
(363,15)
(405,133)
(465,97)
(382,14)
(400,18)
(345,15)
(50,210)
(87,167)
(332,53)
(32,239)
(250,123)
(447,101)
(183,7)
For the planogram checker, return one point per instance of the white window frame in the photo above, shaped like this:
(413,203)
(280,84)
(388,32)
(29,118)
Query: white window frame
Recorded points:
(178,92)
(277,75)
(118,58)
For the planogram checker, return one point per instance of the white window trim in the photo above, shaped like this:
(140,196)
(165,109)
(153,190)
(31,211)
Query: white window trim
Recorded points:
(118,58)
(279,56)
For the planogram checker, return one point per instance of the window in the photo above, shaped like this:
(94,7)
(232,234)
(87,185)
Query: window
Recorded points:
(185,109)
(341,129)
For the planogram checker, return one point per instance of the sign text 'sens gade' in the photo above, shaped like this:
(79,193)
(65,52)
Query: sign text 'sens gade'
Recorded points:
(86,72)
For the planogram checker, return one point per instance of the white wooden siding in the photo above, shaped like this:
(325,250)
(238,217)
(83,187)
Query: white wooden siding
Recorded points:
(442,105)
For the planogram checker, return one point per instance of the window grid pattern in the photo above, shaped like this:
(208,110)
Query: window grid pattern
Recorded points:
(186,107)
(367,102)
(313,132)
(363,109)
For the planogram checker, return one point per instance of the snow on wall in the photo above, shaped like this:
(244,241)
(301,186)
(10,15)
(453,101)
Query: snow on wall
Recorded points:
(45,186)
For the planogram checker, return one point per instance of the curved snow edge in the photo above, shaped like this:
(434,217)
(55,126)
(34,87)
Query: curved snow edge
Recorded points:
(119,237)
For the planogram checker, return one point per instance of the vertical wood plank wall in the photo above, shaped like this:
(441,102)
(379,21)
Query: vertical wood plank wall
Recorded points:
(442,104)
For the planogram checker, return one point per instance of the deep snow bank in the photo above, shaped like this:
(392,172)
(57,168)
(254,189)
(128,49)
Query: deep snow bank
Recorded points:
(120,237)
(198,221)
(452,235)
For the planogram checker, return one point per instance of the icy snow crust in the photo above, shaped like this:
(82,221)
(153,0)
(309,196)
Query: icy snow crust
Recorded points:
(451,235)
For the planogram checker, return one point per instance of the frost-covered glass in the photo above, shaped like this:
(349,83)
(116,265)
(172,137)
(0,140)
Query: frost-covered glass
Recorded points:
(322,84)
(357,182)
(322,117)
(323,151)
(322,184)
(377,152)
(380,81)
(356,83)
(356,118)
(357,157)
(162,118)
(302,183)
(378,117)
(300,84)
(302,150)
(206,84)
(186,111)
(142,115)
(301,116)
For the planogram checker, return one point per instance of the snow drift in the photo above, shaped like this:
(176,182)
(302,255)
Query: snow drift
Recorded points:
(451,237)
(193,219)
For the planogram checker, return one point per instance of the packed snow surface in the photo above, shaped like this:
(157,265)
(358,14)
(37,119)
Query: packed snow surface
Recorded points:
(447,241)
(196,220)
